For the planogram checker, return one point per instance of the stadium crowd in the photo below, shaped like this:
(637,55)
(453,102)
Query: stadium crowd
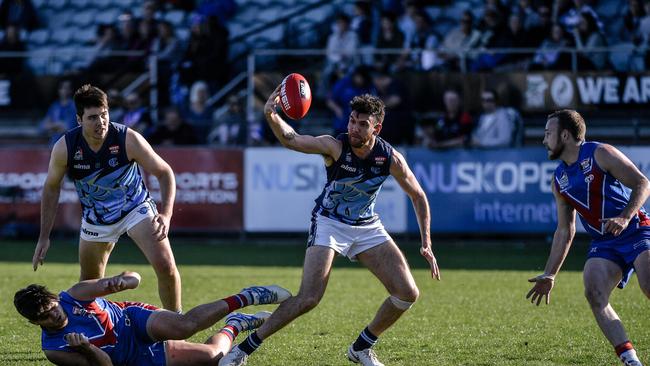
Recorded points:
(424,36)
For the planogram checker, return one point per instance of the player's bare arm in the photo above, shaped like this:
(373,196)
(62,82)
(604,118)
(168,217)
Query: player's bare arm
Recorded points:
(400,170)
(139,150)
(50,199)
(620,167)
(90,289)
(562,239)
(85,353)
(325,145)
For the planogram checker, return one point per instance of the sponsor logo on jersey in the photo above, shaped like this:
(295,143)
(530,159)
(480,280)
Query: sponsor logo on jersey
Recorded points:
(115,149)
(79,155)
(88,232)
(586,165)
(348,157)
(348,168)
(564,181)
(112,162)
(81,166)
(380,160)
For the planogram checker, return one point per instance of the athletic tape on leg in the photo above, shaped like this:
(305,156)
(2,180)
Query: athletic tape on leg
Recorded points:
(400,304)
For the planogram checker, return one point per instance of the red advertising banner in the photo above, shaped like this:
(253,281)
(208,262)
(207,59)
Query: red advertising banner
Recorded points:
(209,188)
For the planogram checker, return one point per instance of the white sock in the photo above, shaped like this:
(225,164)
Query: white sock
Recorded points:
(629,355)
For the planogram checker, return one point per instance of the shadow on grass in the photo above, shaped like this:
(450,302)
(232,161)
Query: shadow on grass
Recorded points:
(465,254)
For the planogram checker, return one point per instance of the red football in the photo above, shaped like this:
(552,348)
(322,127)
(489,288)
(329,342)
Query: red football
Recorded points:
(295,96)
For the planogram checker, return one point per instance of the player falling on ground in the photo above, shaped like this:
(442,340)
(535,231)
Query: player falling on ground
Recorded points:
(103,159)
(608,192)
(80,327)
(344,222)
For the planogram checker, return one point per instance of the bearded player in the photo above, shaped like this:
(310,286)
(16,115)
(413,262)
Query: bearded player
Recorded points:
(344,223)
(608,192)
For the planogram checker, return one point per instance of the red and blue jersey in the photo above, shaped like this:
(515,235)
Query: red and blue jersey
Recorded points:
(118,328)
(595,194)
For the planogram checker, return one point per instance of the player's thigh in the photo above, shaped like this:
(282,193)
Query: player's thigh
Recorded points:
(158,252)
(316,270)
(600,277)
(389,265)
(642,268)
(182,353)
(164,324)
(93,257)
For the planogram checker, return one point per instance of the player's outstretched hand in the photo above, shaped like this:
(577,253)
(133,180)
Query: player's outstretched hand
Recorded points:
(160,227)
(427,253)
(615,225)
(272,102)
(39,254)
(542,288)
(77,340)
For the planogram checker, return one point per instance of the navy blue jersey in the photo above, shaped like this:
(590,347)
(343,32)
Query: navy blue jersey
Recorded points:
(108,184)
(595,194)
(354,183)
(118,328)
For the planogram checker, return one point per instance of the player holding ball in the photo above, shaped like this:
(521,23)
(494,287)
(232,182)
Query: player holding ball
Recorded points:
(343,220)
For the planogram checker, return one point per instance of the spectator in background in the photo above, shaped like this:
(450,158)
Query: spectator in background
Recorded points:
(20,13)
(221,10)
(588,36)
(341,52)
(454,127)
(197,113)
(129,40)
(173,130)
(530,18)
(633,16)
(61,115)
(423,38)
(11,66)
(169,50)
(148,19)
(548,57)
(570,17)
(356,83)
(518,38)
(136,115)
(390,37)
(361,24)
(460,39)
(228,128)
(398,126)
(205,56)
(497,126)
(493,35)
(540,32)
(107,40)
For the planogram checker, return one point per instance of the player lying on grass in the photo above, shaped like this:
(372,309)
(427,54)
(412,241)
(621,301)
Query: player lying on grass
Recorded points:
(80,327)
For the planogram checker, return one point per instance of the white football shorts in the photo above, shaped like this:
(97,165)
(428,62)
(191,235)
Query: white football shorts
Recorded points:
(347,240)
(111,233)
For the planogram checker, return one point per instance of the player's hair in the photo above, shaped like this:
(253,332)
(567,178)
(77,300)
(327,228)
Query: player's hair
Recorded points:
(89,96)
(369,104)
(32,301)
(572,121)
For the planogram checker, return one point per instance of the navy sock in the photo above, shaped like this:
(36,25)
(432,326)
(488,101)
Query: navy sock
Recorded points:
(250,344)
(365,340)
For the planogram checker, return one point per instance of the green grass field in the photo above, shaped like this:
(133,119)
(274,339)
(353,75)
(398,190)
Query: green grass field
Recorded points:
(477,314)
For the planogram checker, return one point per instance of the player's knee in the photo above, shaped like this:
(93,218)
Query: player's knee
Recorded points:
(596,297)
(409,294)
(401,304)
(166,270)
(308,301)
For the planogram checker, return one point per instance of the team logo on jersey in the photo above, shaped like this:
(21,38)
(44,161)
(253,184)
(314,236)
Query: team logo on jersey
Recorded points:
(115,149)
(112,162)
(586,165)
(589,178)
(380,160)
(348,157)
(79,155)
(564,181)
(375,170)
(79,311)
